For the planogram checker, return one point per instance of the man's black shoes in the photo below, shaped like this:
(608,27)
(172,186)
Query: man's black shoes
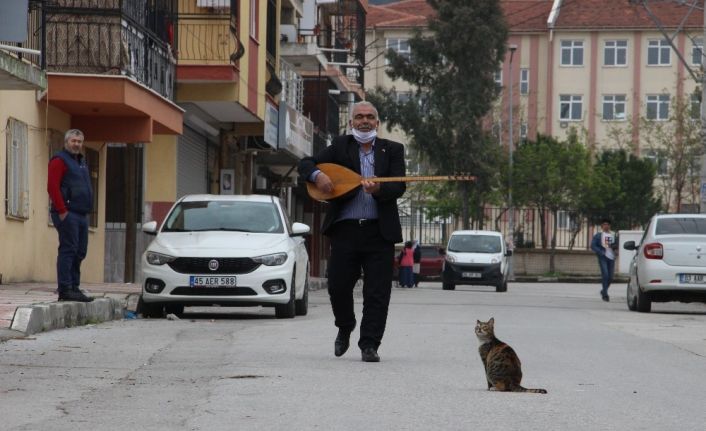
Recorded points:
(369,354)
(342,342)
(74,295)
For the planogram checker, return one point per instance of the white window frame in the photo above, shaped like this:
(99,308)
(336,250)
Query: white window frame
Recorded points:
(663,49)
(17,186)
(563,220)
(395,44)
(615,100)
(615,46)
(574,103)
(573,47)
(523,131)
(403,96)
(524,81)
(253,19)
(661,163)
(695,106)
(697,48)
(498,77)
(659,101)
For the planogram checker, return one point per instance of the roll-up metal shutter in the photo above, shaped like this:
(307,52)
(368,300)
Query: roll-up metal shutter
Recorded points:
(191,163)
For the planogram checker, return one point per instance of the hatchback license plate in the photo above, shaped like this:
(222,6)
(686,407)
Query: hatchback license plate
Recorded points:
(211,281)
(471,275)
(692,278)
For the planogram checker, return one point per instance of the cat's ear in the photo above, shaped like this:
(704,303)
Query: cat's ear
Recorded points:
(477,322)
(492,321)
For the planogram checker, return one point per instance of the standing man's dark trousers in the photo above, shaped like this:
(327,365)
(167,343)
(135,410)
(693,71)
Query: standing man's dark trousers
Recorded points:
(73,245)
(356,246)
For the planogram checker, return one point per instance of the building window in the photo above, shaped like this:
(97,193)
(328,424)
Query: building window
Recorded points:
(614,107)
(658,53)
(572,53)
(564,220)
(498,78)
(401,47)
(497,130)
(695,108)
(571,107)
(660,162)
(615,53)
(524,81)
(17,181)
(253,19)
(403,96)
(697,50)
(523,132)
(658,107)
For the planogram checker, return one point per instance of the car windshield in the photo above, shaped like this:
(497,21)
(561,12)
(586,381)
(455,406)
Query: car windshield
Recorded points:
(475,244)
(681,226)
(233,216)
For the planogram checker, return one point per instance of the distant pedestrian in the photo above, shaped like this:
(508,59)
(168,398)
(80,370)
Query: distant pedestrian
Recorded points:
(605,245)
(406,260)
(417,261)
(71,194)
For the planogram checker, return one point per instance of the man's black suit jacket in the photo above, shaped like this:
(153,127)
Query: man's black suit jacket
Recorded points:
(389,162)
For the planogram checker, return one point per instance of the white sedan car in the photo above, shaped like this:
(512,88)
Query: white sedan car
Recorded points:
(227,251)
(669,263)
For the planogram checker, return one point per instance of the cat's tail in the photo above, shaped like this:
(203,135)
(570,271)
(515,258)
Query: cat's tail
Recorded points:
(533,391)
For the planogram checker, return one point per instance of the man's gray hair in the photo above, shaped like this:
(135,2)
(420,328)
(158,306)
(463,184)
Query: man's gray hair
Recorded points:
(363,103)
(72,132)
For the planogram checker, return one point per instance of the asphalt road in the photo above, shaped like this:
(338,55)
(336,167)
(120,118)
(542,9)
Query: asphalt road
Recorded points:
(605,368)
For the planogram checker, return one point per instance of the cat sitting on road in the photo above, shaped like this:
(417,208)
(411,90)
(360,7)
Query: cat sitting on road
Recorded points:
(503,370)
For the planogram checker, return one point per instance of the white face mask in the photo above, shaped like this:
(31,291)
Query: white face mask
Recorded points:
(364,137)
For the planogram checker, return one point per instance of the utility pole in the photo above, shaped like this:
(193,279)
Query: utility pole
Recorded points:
(511,208)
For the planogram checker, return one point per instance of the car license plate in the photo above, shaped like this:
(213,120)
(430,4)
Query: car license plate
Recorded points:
(692,278)
(211,281)
(471,275)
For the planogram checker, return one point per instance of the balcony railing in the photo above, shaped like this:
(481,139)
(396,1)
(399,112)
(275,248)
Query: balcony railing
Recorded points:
(207,35)
(98,37)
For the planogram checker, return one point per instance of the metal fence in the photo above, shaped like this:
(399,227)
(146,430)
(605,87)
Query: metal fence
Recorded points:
(532,229)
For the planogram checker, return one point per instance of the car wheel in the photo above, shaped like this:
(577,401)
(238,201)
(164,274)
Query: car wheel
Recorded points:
(631,298)
(301,306)
(288,310)
(502,287)
(448,286)
(643,302)
(150,311)
(176,309)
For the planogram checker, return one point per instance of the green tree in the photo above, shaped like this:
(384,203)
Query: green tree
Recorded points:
(550,175)
(451,70)
(621,188)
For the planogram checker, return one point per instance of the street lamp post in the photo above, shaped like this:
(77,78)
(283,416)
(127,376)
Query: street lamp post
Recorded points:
(511,208)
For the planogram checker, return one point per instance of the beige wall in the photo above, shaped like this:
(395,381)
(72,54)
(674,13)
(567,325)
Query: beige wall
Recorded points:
(160,159)
(29,247)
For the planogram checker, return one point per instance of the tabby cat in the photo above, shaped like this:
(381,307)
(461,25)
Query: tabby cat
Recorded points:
(502,366)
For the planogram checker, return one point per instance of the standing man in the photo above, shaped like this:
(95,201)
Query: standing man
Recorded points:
(69,187)
(605,246)
(363,227)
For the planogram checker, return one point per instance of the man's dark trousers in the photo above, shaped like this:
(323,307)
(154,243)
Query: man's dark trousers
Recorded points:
(73,245)
(355,246)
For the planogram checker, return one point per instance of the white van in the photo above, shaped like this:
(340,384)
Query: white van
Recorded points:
(476,257)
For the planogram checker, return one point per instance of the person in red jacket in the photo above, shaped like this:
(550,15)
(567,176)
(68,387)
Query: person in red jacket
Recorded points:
(71,194)
(406,259)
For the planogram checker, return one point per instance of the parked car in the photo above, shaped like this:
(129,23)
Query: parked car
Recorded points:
(228,251)
(430,265)
(476,257)
(669,263)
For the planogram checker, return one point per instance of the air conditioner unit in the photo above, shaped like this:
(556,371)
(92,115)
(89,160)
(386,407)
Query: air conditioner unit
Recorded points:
(213,3)
(563,124)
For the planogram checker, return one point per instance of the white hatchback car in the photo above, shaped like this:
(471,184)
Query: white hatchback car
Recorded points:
(669,263)
(476,257)
(228,251)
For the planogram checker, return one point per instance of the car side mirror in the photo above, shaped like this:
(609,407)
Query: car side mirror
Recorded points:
(300,229)
(150,228)
(508,253)
(629,245)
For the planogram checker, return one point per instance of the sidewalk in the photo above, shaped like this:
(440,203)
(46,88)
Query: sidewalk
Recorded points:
(27,308)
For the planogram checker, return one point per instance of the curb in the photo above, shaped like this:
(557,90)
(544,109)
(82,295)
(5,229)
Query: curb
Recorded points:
(42,317)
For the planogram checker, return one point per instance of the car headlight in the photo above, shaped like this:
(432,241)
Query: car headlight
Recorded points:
(494,260)
(271,259)
(451,258)
(158,259)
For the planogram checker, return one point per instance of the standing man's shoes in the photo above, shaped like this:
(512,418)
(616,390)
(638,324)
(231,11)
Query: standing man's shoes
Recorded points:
(342,342)
(606,298)
(74,295)
(369,354)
